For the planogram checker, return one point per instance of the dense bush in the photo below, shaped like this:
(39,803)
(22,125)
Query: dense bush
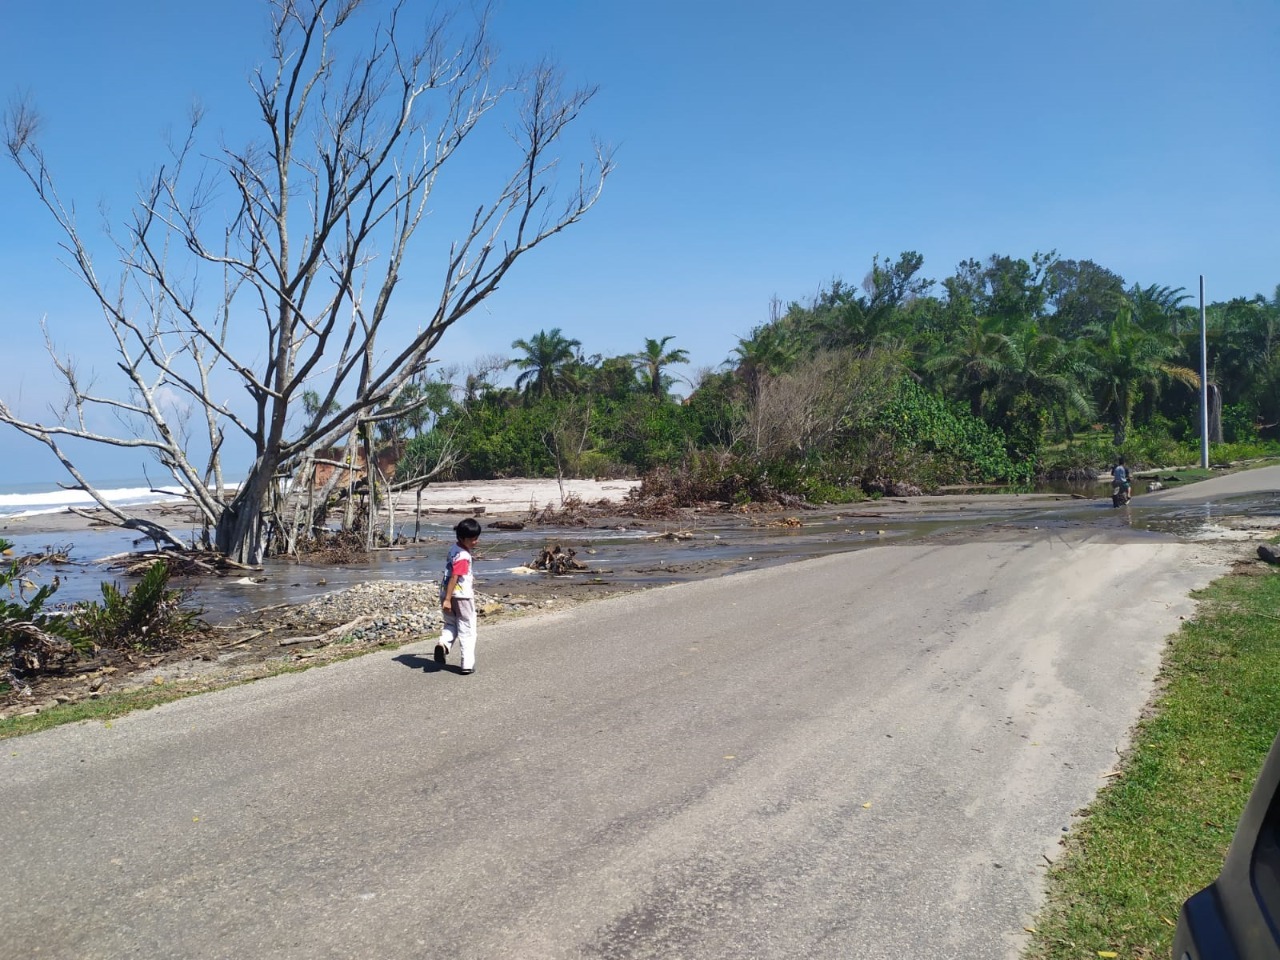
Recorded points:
(1235,452)
(916,437)
(1007,370)
(583,436)
(1080,460)
(1147,447)
(1238,424)
(706,476)
(31,639)
(818,478)
(645,433)
(148,616)
(923,438)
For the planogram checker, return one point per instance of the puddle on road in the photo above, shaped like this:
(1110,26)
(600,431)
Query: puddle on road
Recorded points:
(1228,519)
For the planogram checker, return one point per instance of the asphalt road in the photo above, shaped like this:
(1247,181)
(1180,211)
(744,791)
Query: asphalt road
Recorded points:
(865,755)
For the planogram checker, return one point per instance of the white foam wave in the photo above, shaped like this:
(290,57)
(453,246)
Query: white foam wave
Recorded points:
(55,501)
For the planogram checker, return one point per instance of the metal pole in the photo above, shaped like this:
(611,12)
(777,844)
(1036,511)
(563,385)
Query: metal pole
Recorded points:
(1204,383)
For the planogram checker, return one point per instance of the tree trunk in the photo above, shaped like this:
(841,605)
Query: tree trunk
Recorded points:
(238,535)
(370,485)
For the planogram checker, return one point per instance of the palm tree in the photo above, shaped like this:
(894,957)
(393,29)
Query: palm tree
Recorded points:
(976,362)
(548,363)
(1159,309)
(1129,360)
(650,361)
(1053,371)
(769,350)
(1244,337)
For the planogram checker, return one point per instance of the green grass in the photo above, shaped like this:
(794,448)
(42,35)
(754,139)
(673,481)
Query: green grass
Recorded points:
(1192,474)
(1159,832)
(107,707)
(112,705)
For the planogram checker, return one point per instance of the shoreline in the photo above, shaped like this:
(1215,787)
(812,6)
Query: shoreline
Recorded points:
(490,498)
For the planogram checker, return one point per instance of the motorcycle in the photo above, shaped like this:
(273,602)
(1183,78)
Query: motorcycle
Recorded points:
(1120,494)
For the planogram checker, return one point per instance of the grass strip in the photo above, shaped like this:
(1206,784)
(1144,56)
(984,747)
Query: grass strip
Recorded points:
(1159,832)
(118,703)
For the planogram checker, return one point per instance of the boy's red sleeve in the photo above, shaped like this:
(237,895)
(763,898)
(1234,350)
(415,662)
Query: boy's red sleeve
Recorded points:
(461,566)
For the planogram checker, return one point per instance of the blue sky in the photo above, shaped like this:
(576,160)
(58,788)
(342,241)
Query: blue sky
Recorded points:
(763,149)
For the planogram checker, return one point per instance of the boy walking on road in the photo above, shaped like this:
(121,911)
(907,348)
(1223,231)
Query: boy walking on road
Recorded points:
(457,597)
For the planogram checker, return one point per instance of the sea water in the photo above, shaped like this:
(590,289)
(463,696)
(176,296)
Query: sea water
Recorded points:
(81,578)
(30,499)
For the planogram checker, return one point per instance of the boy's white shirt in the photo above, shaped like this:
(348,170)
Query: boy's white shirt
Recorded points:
(459,563)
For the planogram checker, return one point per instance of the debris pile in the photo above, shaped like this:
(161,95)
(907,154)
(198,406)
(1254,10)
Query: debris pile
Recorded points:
(674,535)
(572,512)
(557,560)
(54,555)
(179,564)
(891,488)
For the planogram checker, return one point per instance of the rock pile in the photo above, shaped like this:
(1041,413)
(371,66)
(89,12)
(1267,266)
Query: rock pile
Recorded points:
(388,611)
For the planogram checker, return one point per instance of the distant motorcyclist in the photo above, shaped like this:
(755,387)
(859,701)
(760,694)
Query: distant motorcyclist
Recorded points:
(1120,482)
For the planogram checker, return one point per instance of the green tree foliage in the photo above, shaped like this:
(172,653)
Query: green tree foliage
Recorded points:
(31,638)
(938,442)
(1160,309)
(1245,335)
(1130,360)
(418,405)
(842,318)
(147,616)
(547,368)
(652,360)
(613,377)
(770,349)
(975,362)
(992,374)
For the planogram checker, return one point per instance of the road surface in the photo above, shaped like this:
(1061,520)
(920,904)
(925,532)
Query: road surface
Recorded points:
(864,755)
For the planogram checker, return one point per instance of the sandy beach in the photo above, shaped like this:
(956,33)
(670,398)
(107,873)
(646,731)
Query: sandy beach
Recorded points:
(491,498)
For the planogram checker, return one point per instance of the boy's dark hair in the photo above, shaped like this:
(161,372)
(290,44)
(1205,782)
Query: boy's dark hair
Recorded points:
(468,528)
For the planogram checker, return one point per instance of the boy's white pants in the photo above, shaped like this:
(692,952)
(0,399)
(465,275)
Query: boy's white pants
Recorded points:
(461,626)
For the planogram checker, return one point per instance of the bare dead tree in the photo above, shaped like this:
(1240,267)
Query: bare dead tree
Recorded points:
(566,438)
(831,393)
(309,252)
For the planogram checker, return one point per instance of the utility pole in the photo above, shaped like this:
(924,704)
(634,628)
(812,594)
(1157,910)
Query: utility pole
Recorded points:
(1204,383)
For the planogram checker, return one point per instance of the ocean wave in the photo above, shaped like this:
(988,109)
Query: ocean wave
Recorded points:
(14,505)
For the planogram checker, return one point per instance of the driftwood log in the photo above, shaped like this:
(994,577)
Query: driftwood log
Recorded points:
(335,633)
(180,564)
